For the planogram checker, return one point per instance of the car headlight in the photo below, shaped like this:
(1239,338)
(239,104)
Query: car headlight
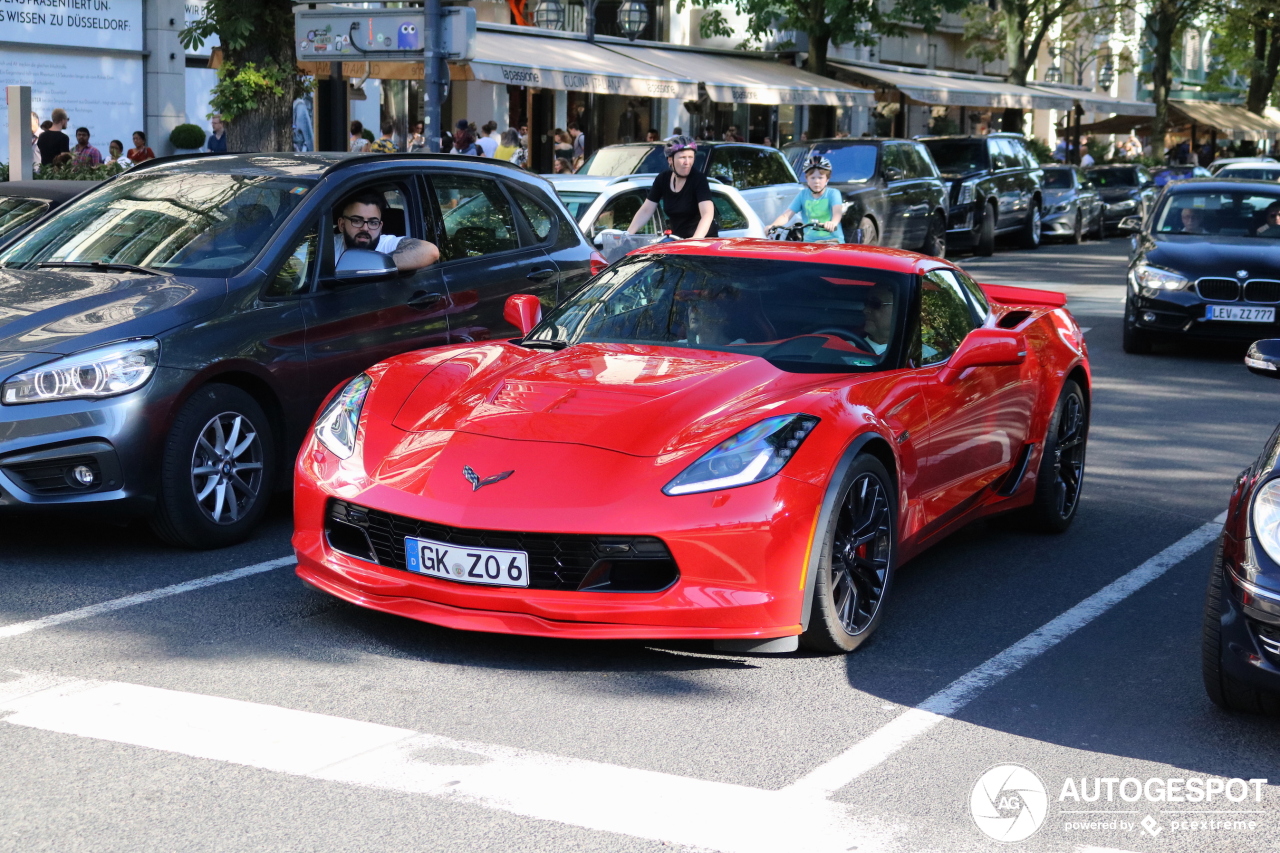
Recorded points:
(1266,518)
(967,189)
(1126,204)
(753,455)
(1060,207)
(1155,278)
(93,374)
(339,422)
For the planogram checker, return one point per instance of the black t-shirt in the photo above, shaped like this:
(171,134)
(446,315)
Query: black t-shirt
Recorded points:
(52,143)
(681,208)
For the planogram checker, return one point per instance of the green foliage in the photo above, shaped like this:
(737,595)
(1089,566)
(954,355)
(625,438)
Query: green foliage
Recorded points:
(241,88)
(943,126)
(367,135)
(187,136)
(1097,150)
(69,172)
(1039,149)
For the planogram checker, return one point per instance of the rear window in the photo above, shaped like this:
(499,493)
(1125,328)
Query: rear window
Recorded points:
(849,163)
(957,156)
(1114,177)
(1057,179)
(577,202)
(615,160)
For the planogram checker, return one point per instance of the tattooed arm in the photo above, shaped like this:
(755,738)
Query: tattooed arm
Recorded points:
(414,254)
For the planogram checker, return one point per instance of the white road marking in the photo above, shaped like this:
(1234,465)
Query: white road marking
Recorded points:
(884,742)
(86,612)
(608,798)
(1084,330)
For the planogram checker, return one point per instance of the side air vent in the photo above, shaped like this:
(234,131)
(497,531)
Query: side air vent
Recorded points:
(1013,319)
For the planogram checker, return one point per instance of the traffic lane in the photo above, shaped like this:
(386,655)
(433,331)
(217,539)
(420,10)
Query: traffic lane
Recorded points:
(1121,698)
(54,562)
(1103,262)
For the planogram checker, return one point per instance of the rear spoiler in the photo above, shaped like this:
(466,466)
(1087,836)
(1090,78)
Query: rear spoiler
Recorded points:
(1006,295)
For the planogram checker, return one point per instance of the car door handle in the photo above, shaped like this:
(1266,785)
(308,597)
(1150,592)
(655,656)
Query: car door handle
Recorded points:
(540,274)
(423,299)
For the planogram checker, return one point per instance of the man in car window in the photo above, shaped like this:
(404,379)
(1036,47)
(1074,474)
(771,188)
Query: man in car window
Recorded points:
(360,220)
(1193,221)
(1270,221)
(877,312)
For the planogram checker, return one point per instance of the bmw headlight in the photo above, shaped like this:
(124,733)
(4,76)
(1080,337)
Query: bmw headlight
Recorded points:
(92,374)
(339,422)
(753,455)
(967,189)
(1266,518)
(1154,278)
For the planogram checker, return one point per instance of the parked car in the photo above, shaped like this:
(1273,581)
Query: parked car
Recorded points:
(737,441)
(1166,174)
(166,339)
(1240,640)
(893,194)
(1221,162)
(1072,206)
(597,204)
(995,189)
(1205,264)
(760,173)
(1126,190)
(23,202)
(1250,171)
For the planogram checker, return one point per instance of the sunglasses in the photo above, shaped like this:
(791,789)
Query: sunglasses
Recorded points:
(360,221)
(875,303)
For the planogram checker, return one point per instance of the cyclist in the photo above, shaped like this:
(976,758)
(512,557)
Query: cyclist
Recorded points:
(820,207)
(684,194)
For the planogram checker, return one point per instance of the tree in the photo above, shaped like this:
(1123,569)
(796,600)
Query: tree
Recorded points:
(1247,41)
(1163,25)
(258,78)
(826,22)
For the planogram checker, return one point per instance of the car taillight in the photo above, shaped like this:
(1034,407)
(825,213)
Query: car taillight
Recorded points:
(598,263)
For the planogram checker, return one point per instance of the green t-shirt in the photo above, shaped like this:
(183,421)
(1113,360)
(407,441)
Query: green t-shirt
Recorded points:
(818,209)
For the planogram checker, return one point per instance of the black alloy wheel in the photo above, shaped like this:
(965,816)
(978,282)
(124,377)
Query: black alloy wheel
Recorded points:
(1060,476)
(935,242)
(1225,690)
(856,568)
(868,234)
(986,246)
(1100,228)
(1030,237)
(1077,232)
(217,470)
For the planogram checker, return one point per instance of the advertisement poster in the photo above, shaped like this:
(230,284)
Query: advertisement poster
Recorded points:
(115,24)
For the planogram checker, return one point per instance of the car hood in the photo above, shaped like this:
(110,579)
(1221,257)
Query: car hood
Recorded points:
(639,400)
(58,312)
(1055,196)
(1195,256)
(1118,193)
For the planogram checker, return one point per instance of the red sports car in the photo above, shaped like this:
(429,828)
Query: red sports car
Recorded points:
(733,440)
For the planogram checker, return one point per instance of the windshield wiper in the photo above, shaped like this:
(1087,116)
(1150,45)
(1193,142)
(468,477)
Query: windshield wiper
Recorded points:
(100,266)
(542,344)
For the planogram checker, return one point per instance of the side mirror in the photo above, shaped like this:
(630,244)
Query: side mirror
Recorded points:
(524,311)
(1130,225)
(357,266)
(1263,358)
(984,348)
(892,173)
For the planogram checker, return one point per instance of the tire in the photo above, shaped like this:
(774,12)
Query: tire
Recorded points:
(1030,236)
(1226,691)
(935,242)
(859,552)
(212,495)
(1077,233)
(1100,230)
(1059,479)
(1135,341)
(870,235)
(986,246)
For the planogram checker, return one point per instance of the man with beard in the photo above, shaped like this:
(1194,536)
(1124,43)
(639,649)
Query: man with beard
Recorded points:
(360,222)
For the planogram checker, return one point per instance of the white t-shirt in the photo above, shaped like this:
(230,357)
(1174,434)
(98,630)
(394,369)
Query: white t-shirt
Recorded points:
(487,145)
(387,244)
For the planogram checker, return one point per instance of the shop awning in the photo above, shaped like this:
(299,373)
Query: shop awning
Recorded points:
(953,90)
(1224,116)
(738,80)
(1098,101)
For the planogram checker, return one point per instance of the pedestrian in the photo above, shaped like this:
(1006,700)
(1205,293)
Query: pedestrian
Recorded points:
(487,140)
(385,144)
(767,142)
(464,140)
(562,146)
(217,143)
(508,145)
(140,153)
(303,131)
(417,142)
(84,153)
(579,144)
(652,136)
(562,166)
(62,161)
(53,141)
(115,154)
(357,143)
(684,194)
(36,130)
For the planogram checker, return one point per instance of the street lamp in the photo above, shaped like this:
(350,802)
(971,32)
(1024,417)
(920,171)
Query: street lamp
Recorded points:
(1107,75)
(549,15)
(1053,75)
(633,17)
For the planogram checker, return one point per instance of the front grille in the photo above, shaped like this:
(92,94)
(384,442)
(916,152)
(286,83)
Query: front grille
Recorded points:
(559,561)
(1218,289)
(1262,290)
(1269,638)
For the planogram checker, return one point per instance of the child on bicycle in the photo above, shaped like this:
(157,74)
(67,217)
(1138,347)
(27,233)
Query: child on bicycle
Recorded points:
(820,207)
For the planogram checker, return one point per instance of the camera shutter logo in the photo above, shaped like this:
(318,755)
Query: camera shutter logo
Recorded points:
(1009,803)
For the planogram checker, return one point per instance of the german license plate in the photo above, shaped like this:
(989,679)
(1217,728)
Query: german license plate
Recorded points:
(488,566)
(1240,314)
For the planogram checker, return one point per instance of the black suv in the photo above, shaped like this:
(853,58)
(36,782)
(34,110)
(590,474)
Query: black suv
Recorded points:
(995,189)
(166,338)
(893,194)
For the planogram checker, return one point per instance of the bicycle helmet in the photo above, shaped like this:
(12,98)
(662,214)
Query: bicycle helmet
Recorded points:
(680,143)
(817,161)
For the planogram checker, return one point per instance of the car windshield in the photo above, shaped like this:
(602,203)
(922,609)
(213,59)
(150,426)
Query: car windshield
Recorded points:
(201,224)
(1253,173)
(1057,179)
(849,163)
(1219,213)
(958,156)
(1108,178)
(577,201)
(801,317)
(615,160)
(15,212)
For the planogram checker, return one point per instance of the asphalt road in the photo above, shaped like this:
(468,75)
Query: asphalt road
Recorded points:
(257,714)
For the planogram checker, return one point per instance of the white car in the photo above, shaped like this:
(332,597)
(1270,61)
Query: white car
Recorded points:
(1222,162)
(1257,170)
(600,203)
